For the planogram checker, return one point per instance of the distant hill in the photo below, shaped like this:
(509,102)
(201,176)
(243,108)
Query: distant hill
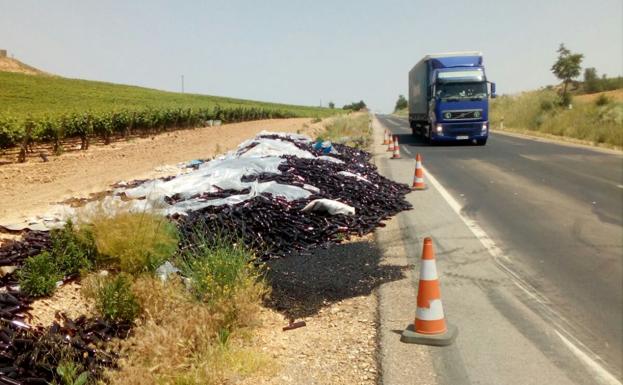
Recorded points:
(8,64)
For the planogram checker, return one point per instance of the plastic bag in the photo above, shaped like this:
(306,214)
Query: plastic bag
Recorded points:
(329,206)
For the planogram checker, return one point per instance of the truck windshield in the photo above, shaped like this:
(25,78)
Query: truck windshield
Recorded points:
(472,90)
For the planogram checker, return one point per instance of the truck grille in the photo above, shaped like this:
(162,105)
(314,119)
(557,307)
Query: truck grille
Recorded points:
(462,114)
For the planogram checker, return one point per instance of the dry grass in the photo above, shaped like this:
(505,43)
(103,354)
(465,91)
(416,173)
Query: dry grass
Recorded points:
(179,340)
(133,242)
(353,130)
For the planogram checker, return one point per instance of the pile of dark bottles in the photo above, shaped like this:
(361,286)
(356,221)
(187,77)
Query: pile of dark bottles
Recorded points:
(274,227)
(30,355)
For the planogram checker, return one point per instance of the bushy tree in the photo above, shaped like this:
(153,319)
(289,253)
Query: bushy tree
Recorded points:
(401,103)
(355,106)
(591,80)
(567,66)
(331,105)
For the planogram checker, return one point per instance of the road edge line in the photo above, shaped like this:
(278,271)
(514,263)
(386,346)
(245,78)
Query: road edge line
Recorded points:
(605,376)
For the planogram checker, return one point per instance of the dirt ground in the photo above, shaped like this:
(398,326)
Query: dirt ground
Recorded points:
(29,188)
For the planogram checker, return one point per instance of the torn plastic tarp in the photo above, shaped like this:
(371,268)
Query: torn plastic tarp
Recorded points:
(260,155)
(330,206)
(353,175)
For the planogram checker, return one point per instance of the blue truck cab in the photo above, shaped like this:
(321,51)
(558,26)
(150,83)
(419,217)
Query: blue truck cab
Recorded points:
(449,98)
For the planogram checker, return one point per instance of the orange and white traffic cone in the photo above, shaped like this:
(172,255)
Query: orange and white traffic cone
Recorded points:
(390,142)
(386,137)
(396,154)
(430,327)
(418,177)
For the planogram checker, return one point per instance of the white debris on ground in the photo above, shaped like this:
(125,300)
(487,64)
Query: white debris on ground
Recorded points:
(252,157)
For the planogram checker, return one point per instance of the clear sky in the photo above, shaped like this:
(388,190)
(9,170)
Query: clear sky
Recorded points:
(303,52)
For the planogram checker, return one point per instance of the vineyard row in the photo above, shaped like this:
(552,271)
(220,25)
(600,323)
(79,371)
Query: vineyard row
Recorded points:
(23,132)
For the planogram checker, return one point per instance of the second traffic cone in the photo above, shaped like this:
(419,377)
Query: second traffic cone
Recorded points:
(396,154)
(390,142)
(386,137)
(418,177)
(430,327)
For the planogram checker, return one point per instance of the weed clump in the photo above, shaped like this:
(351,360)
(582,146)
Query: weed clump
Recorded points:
(114,298)
(222,274)
(73,251)
(134,242)
(71,373)
(38,276)
(602,100)
(177,340)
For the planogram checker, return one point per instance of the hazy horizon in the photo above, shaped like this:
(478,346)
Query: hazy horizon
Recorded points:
(299,53)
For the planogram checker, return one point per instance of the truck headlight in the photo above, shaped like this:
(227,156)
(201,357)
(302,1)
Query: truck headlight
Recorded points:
(439,129)
(484,128)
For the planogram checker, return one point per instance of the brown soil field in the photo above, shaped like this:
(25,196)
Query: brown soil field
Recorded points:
(615,95)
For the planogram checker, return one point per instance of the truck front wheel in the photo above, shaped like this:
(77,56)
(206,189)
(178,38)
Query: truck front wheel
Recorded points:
(481,142)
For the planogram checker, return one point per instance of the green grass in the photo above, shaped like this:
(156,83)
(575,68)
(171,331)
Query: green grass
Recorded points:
(540,112)
(113,297)
(48,108)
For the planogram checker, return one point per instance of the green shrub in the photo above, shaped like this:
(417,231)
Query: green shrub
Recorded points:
(38,275)
(134,242)
(114,299)
(602,100)
(71,373)
(565,99)
(216,267)
(72,251)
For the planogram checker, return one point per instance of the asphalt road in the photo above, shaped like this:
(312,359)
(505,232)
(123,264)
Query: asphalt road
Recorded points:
(556,211)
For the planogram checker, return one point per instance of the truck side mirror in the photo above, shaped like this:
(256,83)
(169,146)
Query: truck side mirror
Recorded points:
(493,95)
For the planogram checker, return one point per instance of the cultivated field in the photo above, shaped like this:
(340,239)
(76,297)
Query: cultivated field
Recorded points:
(52,109)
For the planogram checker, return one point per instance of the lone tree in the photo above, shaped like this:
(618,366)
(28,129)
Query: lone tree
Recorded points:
(331,105)
(401,103)
(567,66)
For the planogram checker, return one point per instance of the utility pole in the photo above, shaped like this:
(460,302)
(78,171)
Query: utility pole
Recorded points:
(182,83)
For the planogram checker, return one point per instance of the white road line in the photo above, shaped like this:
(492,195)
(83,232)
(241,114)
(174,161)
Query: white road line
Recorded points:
(482,236)
(604,377)
(405,149)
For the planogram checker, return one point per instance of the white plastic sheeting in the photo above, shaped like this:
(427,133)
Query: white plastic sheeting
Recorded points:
(330,206)
(261,154)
